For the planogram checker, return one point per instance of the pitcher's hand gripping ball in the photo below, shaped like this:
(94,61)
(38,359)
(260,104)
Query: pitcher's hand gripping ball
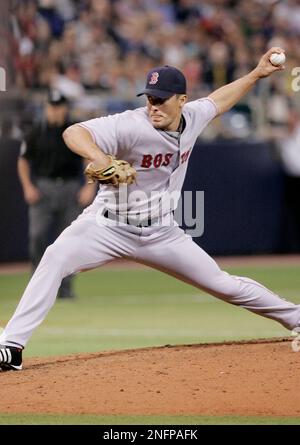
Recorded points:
(118,172)
(277,59)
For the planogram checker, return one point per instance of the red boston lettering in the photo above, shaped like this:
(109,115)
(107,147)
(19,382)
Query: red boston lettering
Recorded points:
(184,157)
(158,161)
(147,161)
(167,160)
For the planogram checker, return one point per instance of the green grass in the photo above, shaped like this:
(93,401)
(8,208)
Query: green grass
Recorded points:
(148,309)
(49,419)
(119,309)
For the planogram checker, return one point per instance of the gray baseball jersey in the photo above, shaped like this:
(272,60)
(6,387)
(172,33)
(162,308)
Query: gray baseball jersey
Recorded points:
(159,157)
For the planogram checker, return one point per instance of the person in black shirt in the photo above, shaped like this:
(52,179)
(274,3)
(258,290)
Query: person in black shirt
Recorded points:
(52,181)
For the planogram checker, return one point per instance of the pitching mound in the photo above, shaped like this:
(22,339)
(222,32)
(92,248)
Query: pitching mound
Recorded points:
(245,378)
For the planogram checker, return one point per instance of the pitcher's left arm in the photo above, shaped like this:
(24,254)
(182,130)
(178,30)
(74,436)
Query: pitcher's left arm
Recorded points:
(227,96)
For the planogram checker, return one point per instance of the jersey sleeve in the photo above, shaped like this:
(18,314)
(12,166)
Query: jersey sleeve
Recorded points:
(104,132)
(202,111)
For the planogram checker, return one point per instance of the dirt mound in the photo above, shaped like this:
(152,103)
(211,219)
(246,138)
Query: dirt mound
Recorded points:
(240,378)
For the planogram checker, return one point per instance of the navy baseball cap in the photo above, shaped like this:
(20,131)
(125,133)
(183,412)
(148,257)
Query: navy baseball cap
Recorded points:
(164,82)
(56,98)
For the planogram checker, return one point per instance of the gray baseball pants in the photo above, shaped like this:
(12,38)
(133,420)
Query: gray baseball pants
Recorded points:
(91,242)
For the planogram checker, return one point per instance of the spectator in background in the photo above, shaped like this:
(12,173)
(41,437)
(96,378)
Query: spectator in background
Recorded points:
(219,66)
(48,10)
(68,83)
(51,176)
(81,45)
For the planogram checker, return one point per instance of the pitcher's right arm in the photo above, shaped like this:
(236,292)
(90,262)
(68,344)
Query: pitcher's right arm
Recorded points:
(80,141)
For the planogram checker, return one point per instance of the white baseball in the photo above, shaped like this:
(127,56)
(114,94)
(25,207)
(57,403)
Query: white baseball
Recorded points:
(277,59)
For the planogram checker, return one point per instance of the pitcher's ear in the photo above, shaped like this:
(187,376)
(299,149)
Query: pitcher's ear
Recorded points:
(182,99)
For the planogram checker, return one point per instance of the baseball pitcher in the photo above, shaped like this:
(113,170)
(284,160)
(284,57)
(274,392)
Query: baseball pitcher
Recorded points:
(140,159)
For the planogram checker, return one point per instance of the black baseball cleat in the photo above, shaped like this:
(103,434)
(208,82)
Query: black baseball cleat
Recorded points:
(10,358)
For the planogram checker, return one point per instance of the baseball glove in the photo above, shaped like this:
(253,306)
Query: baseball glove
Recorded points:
(118,172)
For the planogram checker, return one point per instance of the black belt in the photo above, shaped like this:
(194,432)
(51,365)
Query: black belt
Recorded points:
(145,223)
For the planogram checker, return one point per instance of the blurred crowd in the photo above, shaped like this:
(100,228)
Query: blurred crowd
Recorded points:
(97,52)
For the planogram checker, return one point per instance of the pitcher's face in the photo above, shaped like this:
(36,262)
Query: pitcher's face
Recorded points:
(165,114)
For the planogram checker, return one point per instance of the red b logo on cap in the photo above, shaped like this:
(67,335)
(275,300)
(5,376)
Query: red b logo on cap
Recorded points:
(154,78)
